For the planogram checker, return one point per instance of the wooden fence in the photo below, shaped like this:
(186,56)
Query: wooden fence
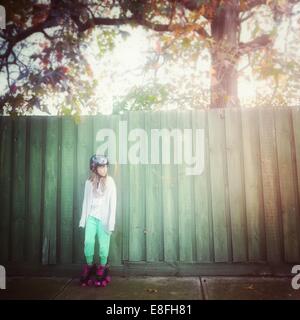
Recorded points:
(243,207)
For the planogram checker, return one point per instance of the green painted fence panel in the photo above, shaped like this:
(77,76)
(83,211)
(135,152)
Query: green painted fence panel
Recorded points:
(253,186)
(242,207)
(18,191)
(153,205)
(84,151)
(137,241)
(218,176)
(288,184)
(204,248)
(186,224)
(123,188)
(5,186)
(169,188)
(68,162)
(235,164)
(49,253)
(36,146)
(115,255)
(269,165)
(296,149)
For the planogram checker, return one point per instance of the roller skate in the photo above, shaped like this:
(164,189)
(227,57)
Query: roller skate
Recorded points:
(102,277)
(85,278)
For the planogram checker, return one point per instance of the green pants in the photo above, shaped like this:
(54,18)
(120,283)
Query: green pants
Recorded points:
(94,227)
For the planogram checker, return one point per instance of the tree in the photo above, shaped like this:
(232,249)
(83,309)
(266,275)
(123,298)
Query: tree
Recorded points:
(41,46)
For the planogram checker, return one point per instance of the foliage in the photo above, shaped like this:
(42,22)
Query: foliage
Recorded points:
(42,49)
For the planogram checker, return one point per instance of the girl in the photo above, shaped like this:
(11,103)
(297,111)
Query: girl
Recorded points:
(98,218)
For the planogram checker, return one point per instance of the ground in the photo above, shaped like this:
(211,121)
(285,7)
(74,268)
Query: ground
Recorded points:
(152,288)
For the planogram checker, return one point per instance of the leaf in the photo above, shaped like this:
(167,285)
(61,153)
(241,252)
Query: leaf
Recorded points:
(77,118)
(243,5)
(152,290)
(13,88)
(66,111)
(39,18)
(59,55)
(186,43)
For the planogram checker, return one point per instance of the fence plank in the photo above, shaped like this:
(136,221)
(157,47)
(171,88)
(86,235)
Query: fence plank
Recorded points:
(270,185)
(100,123)
(36,171)
(185,195)
(218,180)
(202,196)
(84,150)
(5,186)
(137,243)
(169,189)
(296,133)
(50,193)
(68,156)
(236,188)
(253,186)
(124,190)
(18,189)
(288,184)
(114,169)
(154,225)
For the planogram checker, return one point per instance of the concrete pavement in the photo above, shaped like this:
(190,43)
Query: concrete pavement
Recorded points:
(152,288)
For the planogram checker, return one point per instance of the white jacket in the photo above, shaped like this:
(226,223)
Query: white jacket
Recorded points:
(109,204)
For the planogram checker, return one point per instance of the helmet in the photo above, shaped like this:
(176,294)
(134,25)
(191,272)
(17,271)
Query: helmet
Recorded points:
(98,160)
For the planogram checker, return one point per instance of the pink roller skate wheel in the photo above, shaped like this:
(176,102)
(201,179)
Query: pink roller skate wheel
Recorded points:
(108,279)
(104,283)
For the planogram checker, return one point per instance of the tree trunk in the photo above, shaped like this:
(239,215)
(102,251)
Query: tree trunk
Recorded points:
(225,30)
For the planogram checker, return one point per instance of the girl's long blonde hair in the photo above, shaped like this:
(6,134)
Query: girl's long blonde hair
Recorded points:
(97,180)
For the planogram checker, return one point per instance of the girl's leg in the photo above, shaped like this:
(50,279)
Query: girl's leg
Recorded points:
(104,241)
(89,241)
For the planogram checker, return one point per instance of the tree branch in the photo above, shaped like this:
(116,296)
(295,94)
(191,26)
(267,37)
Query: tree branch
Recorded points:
(251,14)
(250,4)
(121,21)
(196,5)
(52,21)
(8,77)
(47,35)
(24,35)
(255,44)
